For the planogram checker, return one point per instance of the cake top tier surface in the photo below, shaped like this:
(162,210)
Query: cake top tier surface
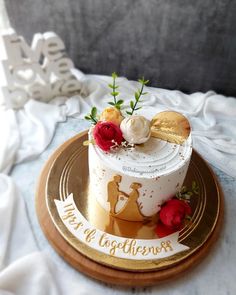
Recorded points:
(153,159)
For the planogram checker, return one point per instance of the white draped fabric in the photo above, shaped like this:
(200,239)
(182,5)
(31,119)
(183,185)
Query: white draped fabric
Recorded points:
(26,133)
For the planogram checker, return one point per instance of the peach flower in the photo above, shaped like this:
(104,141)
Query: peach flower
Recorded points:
(111,114)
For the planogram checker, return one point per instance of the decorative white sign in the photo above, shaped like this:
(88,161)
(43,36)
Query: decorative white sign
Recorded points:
(113,245)
(40,71)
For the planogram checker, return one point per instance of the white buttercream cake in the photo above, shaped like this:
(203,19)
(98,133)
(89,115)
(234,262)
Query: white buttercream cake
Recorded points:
(135,165)
(144,176)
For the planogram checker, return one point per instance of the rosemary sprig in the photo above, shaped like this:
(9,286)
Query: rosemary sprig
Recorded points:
(137,95)
(92,116)
(116,103)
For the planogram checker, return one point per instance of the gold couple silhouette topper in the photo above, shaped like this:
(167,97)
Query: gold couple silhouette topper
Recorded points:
(122,205)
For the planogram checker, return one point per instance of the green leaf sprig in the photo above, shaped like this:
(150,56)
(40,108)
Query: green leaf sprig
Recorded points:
(115,103)
(92,116)
(185,193)
(137,95)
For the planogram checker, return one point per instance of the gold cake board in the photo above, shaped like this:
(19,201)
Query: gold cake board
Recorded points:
(102,271)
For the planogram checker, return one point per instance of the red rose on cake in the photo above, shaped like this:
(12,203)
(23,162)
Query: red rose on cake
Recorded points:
(172,216)
(174,212)
(107,135)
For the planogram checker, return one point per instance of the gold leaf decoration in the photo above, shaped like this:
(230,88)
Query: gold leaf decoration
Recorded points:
(170,126)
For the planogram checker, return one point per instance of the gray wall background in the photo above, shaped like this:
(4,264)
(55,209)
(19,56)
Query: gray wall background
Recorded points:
(178,44)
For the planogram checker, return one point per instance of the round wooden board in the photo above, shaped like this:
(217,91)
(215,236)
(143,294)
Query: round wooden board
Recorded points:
(102,272)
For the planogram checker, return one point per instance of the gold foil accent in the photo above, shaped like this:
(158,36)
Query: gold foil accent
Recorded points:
(170,126)
(87,142)
(130,211)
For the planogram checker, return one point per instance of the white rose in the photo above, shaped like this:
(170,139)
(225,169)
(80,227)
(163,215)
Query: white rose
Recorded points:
(135,129)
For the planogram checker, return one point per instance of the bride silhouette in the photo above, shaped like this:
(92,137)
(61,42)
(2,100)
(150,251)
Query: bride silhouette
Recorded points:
(130,211)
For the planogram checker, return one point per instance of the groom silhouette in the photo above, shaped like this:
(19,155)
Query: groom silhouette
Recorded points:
(113,192)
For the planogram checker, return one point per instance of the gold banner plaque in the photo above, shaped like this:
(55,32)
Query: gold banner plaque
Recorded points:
(117,246)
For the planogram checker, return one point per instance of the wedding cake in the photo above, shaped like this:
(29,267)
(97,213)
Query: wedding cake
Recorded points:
(135,165)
